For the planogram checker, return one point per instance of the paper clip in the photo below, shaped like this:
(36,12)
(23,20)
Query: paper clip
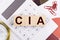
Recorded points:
(52,8)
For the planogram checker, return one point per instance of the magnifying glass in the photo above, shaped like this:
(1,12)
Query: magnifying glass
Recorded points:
(4,30)
(7,30)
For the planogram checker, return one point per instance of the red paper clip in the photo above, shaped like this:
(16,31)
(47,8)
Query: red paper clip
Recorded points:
(52,8)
